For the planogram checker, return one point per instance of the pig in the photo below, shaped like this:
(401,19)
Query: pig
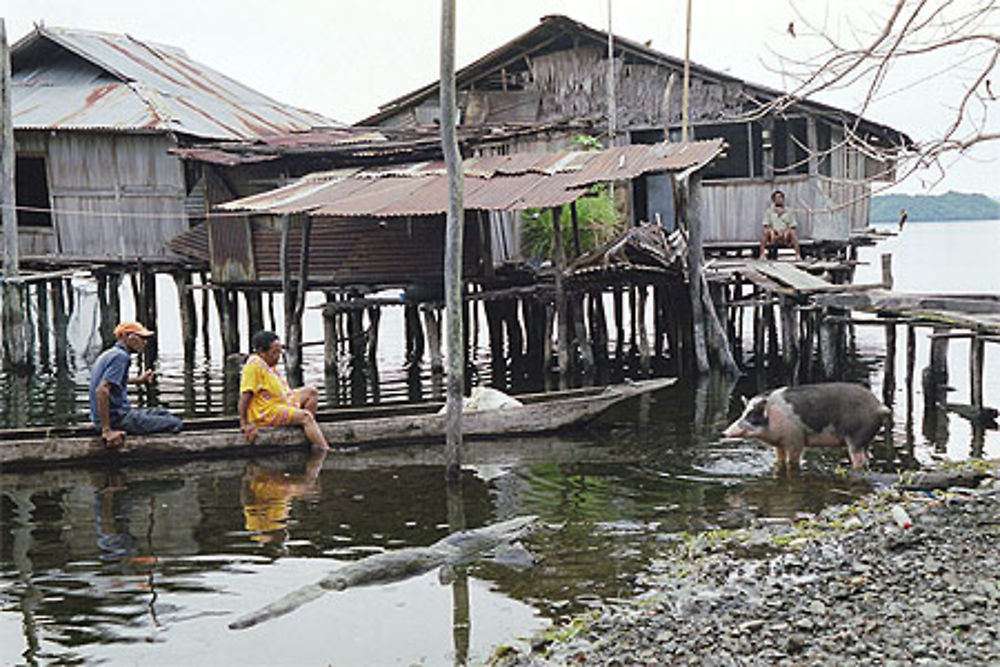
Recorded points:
(818,415)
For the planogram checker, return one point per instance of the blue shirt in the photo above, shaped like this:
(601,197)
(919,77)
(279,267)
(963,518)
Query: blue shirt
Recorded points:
(112,365)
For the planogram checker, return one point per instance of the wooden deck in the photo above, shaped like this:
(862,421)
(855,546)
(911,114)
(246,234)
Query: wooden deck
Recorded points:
(814,309)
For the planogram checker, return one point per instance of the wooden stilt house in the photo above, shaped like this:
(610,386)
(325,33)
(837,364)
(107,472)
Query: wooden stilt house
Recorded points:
(824,158)
(95,115)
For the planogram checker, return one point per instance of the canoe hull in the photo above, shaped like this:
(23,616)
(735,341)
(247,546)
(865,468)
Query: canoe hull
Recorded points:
(545,414)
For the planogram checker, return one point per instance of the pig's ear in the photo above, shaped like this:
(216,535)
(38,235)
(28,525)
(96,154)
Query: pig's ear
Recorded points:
(746,401)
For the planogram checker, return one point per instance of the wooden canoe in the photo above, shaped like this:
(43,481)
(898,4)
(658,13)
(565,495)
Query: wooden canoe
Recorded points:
(344,428)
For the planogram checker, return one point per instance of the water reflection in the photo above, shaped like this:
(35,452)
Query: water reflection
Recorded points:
(267,494)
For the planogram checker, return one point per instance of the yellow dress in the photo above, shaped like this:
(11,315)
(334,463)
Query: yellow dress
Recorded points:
(273,402)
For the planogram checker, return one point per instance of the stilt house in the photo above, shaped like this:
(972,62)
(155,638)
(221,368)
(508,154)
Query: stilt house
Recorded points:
(95,115)
(824,158)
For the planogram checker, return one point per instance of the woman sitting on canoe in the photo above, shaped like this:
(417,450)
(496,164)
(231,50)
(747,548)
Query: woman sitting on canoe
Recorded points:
(267,400)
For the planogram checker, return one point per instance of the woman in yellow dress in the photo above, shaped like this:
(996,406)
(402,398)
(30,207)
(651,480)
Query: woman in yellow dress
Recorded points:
(267,400)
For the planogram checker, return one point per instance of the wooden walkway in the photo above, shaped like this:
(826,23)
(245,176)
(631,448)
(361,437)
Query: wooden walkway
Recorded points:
(813,311)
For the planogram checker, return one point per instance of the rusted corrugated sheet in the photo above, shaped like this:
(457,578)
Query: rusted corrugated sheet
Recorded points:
(627,162)
(220,157)
(353,251)
(499,183)
(122,83)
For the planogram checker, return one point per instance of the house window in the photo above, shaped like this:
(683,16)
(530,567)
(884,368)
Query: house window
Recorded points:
(736,160)
(31,189)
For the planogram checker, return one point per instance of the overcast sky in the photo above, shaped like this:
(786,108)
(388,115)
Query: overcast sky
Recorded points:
(343,58)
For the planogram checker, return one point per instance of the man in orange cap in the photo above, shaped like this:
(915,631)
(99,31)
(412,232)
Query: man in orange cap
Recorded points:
(110,409)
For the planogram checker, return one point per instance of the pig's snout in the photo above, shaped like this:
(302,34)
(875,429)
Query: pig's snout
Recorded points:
(735,430)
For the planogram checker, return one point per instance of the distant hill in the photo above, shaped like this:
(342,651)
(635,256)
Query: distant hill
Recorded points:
(924,208)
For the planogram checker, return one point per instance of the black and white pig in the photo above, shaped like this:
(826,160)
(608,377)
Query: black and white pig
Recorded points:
(816,415)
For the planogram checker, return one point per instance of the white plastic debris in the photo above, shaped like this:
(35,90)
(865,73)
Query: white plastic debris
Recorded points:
(901,518)
(487,398)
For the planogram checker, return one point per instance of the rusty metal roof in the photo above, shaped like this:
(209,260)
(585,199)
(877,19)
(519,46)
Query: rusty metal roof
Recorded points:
(77,79)
(502,183)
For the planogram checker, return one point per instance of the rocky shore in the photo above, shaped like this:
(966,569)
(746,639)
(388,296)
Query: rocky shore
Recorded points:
(896,578)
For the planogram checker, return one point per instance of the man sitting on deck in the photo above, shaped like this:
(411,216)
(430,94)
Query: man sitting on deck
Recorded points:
(110,409)
(267,400)
(779,226)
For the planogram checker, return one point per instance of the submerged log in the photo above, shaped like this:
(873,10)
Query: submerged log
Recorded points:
(924,480)
(460,547)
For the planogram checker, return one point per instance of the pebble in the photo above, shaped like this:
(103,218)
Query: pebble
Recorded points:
(854,592)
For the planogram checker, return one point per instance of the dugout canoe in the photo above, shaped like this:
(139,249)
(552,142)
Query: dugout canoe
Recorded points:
(344,428)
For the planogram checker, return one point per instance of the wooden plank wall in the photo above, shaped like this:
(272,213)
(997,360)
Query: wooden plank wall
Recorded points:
(115,195)
(825,208)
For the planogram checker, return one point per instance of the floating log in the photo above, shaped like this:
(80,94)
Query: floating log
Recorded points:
(923,480)
(390,566)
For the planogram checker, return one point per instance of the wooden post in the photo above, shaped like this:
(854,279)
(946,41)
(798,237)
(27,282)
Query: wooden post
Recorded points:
(60,317)
(356,334)
(911,361)
(889,382)
(15,343)
(936,373)
(575,220)
(598,328)
(808,319)
(644,351)
(114,302)
(329,336)
(433,325)
(295,302)
(272,323)
(691,207)
(495,328)
(886,270)
(976,359)
(453,245)
(812,143)
(767,146)
(685,116)
(633,322)
(414,335)
(42,315)
(580,327)
(189,323)
(515,338)
(658,322)
(547,338)
(789,332)
(559,266)
(374,317)
(222,299)
(206,311)
(149,317)
(255,313)
(827,345)
(619,310)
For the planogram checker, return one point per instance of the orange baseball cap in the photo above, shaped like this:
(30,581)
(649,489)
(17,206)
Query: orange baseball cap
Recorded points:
(132,327)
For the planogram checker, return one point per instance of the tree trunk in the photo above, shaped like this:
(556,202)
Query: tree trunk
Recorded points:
(15,346)
(453,245)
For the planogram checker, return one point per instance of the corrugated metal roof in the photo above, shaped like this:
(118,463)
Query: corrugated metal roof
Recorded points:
(118,82)
(502,183)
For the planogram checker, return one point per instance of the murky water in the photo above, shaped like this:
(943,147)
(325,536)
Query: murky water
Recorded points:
(148,565)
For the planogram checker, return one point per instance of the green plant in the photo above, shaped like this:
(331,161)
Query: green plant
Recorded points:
(598,219)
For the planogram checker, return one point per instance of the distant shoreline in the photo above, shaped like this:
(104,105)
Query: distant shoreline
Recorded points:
(948,207)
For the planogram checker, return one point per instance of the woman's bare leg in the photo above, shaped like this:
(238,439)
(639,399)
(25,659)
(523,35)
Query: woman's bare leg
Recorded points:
(314,434)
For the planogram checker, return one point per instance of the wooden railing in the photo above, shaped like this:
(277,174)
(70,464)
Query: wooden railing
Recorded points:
(825,208)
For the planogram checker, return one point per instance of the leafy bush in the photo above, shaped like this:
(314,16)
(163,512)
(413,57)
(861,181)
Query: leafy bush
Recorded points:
(599,221)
